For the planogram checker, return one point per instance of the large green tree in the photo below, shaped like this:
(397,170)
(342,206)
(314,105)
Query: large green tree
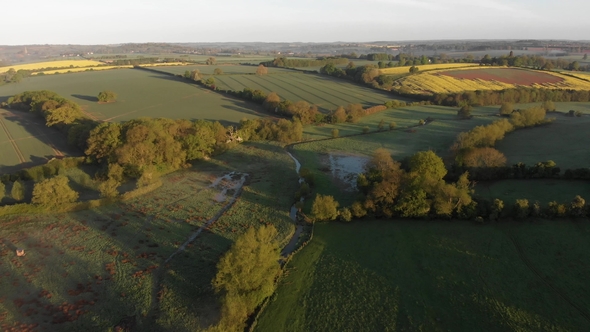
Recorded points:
(246,275)
(324,208)
(107,96)
(53,192)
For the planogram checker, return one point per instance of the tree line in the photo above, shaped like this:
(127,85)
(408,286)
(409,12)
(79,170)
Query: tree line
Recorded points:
(291,62)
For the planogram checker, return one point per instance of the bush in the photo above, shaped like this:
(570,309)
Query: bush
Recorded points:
(392,125)
(521,208)
(345,214)
(506,109)
(365,129)
(465,112)
(107,96)
(335,133)
(18,191)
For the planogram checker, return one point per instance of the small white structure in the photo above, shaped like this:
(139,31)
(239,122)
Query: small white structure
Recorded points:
(20,252)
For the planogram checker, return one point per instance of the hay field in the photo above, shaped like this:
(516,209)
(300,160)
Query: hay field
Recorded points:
(406,69)
(53,64)
(411,275)
(140,93)
(91,269)
(481,78)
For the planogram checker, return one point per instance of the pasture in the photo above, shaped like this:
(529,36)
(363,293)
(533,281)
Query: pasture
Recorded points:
(228,69)
(25,141)
(565,141)
(91,270)
(140,94)
(415,275)
(485,78)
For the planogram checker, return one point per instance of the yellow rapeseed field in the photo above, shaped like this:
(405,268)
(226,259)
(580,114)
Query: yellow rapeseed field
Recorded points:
(431,82)
(582,75)
(76,70)
(404,70)
(52,64)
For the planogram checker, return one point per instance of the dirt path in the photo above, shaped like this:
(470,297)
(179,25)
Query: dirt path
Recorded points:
(153,311)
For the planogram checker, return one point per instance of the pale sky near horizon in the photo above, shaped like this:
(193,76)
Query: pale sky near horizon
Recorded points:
(122,21)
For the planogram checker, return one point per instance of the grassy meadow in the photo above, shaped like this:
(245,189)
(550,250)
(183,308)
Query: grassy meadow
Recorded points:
(564,141)
(414,275)
(90,270)
(541,190)
(140,94)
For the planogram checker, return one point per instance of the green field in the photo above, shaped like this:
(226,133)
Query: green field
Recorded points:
(140,94)
(564,141)
(88,270)
(436,276)
(25,141)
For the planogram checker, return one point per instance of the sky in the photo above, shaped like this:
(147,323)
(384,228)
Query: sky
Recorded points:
(122,21)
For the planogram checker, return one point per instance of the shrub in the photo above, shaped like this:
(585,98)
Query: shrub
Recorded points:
(521,208)
(107,96)
(465,112)
(506,109)
(365,129)
(335,133)
(381,125)
(392,125)
(345,214)
(18,191)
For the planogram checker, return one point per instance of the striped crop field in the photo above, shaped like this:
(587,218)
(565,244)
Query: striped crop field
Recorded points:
(38,66)
(25,141)
(228,69)
(406,69)
(485,78)
(325,92)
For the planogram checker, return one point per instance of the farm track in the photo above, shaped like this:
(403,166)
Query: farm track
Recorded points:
(153,311)
(14,146)
(536,272)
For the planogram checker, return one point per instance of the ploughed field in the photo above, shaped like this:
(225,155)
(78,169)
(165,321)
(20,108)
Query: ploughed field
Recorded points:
(483,78)
(380,275)
(95,269)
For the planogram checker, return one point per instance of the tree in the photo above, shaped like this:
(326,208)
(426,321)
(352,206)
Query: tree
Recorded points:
(217,71)
(2,190)
(324,208)
(196,75)
(339,115)
(414,70)
(521,208)
(211,61)
(497,208)
(107,96)
(392,125)
(272,101)
(108,188)
(506,109)
(578,207)
(246,274)
(549,106)
(53,192)
(381,125)
(485,157)
(103,140)
(335,133)
(261,70)
(61,115)
(465,112)
(366,129)
(427,163)
(18,191)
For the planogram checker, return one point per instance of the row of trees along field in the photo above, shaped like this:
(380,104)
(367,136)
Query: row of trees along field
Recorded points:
(417,188)
(301,110)
(293,63)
